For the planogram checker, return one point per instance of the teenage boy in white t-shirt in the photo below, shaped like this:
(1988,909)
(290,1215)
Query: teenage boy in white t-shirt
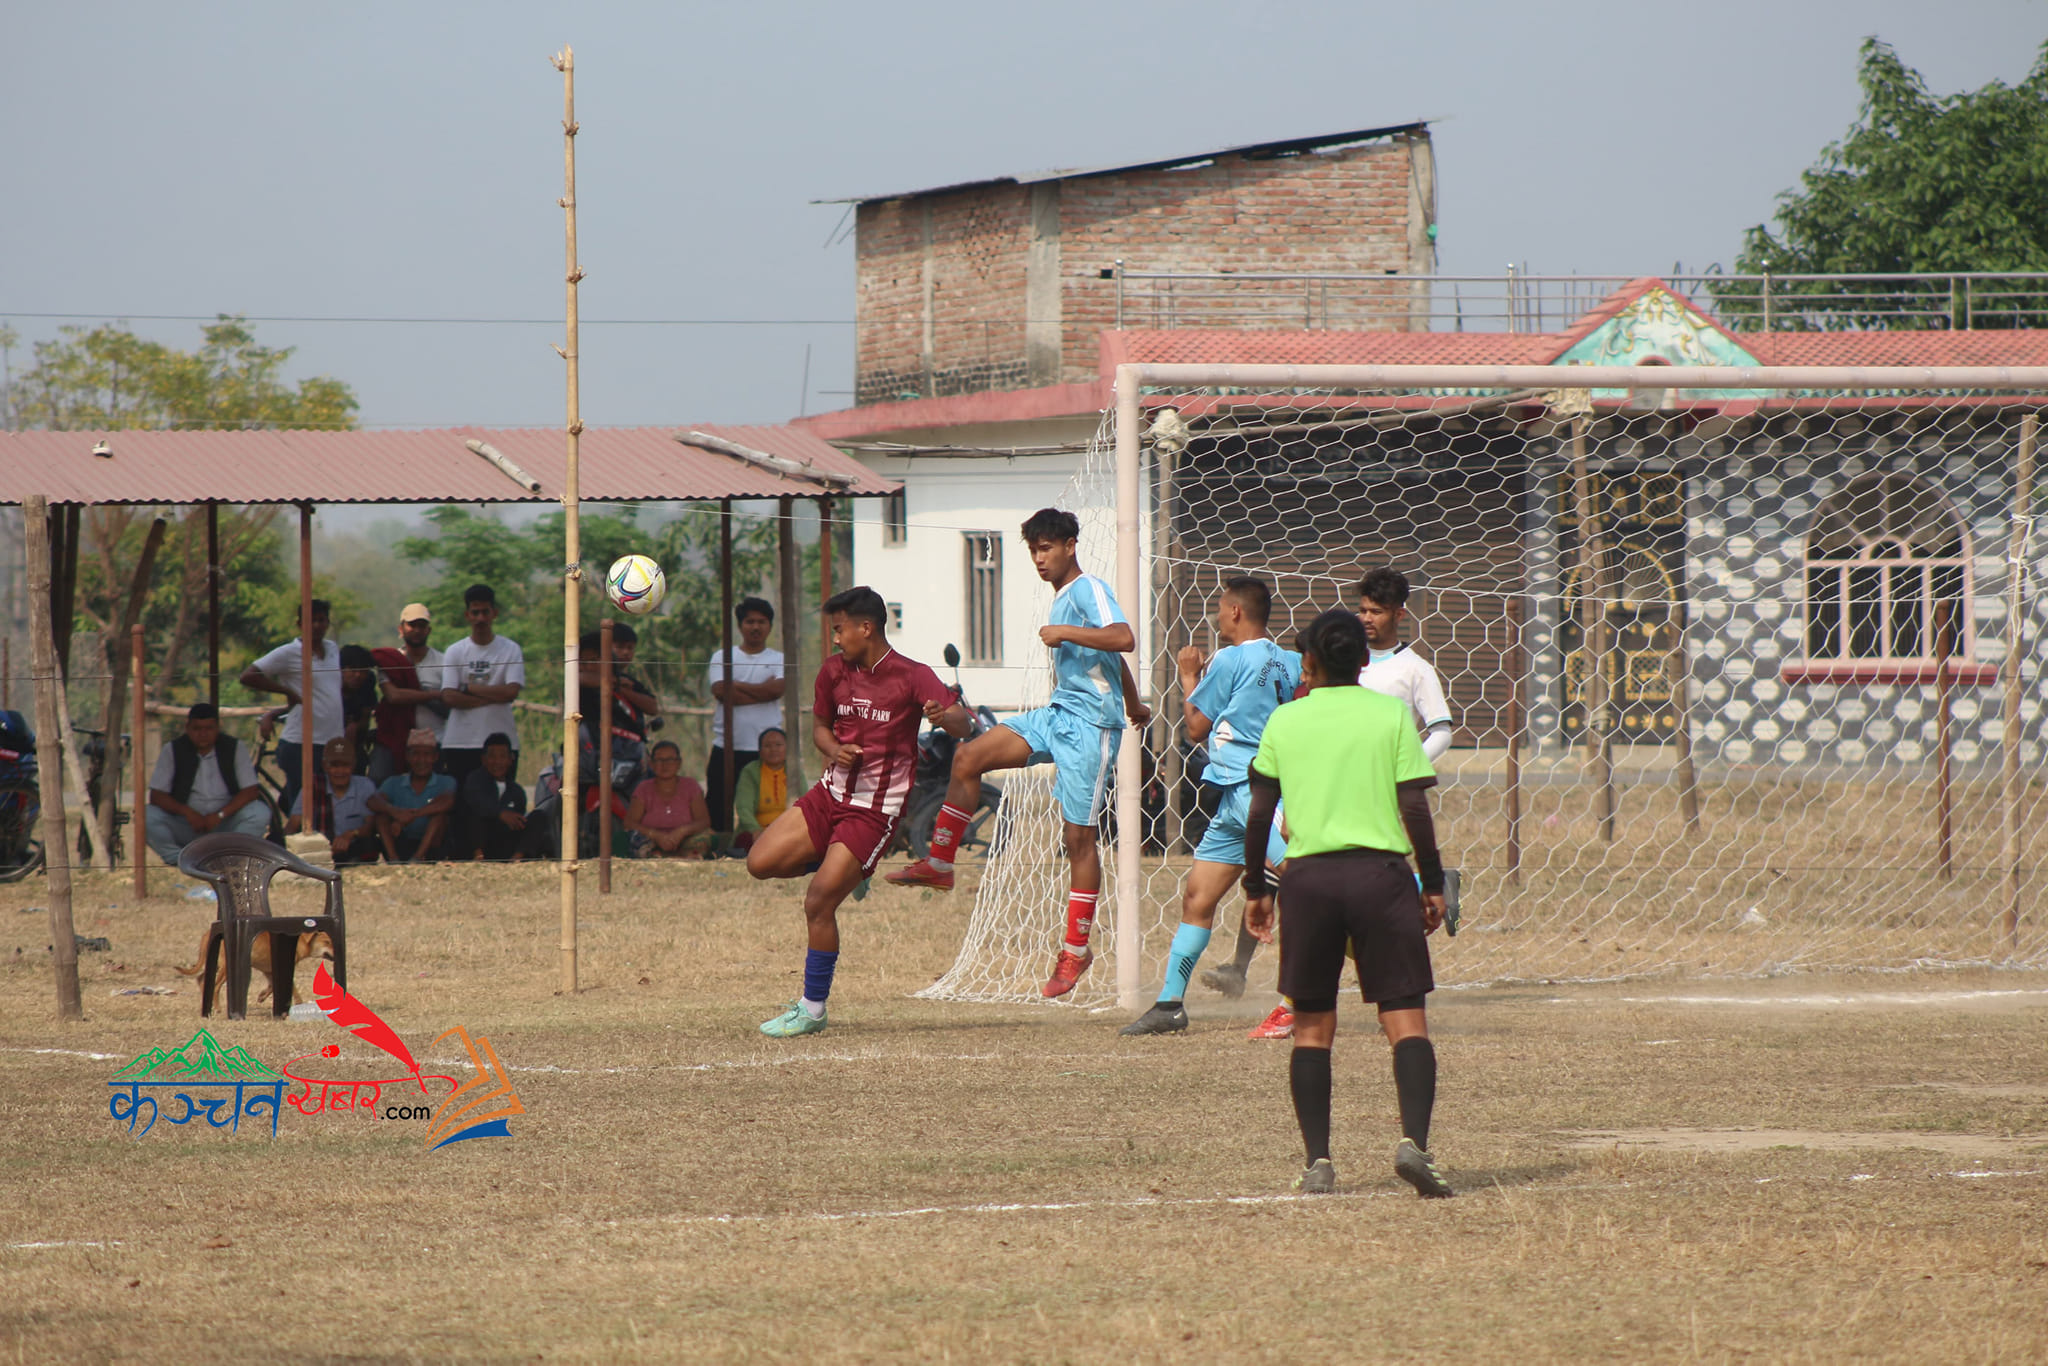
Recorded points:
(278,672)
(484,671)
(757,685)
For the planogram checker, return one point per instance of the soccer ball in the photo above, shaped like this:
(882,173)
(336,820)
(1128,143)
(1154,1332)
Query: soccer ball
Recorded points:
(635,584)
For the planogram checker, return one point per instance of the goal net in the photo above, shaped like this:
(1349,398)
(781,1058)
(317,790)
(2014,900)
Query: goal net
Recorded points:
(1744,668)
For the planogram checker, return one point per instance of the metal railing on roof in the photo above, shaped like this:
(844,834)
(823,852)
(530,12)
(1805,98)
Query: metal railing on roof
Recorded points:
(1522,302)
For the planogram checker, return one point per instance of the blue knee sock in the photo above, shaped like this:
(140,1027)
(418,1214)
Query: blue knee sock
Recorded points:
(818,966)
(1188,943)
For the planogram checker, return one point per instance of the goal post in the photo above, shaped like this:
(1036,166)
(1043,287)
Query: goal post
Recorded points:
(1743,662)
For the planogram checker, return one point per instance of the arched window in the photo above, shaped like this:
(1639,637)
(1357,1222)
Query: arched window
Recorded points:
(1887,583)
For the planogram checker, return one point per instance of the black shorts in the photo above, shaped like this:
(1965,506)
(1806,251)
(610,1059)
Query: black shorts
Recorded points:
(1360,900)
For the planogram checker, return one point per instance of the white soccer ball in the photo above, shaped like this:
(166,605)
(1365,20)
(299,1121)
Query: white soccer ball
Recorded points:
(635,584)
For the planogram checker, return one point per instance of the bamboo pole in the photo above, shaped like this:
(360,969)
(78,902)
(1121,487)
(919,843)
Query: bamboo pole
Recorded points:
(1944,775)
(725,615)
(603,723)
(1593,598)
(307,746)
(35,512)
(2015,615)
(792,639)
(213,603)
(138,670)
(572,505)
(1518,663)
(6,673)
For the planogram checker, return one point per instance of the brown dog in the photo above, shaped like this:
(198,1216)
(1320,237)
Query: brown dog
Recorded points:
(259,961)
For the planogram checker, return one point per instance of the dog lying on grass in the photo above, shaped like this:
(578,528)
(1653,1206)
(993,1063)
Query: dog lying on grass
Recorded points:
(259,961)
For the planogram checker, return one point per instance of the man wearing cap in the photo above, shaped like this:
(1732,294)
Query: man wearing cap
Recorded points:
(203,781)
(411,676)
(341,806)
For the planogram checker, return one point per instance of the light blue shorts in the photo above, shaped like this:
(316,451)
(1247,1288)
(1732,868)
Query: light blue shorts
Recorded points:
(1083,752)
(1223,842)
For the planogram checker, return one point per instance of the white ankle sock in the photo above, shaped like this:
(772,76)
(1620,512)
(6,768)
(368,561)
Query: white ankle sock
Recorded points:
(814,1009)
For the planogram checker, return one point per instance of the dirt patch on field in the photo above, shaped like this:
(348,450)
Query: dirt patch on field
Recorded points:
(1826,1140)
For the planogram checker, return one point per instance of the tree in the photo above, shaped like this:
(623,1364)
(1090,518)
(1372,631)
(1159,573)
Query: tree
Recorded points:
(522,565)
(1921,183)
(108,378)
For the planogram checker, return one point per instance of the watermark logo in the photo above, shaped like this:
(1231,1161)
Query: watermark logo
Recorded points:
(480,1107)
(223,1084)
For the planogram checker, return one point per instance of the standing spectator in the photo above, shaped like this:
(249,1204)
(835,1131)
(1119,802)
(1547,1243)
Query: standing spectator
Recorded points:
(484,673)
(203,781)
(359,704)
(341,807)
(278,672)
(756,697)
(667,818)
(633,702)
(761,791)
(412,680)
(412,808)
(495,805)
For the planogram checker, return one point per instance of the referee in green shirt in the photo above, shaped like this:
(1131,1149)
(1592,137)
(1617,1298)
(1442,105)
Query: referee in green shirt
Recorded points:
(1356,782)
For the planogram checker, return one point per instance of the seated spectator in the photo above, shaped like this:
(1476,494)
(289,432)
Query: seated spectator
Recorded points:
(494,806)
(412,807)
(668,818)
(203,781)
(341,806)
(761,791)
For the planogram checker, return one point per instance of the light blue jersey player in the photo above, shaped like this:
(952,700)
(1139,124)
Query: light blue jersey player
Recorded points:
(1227,706)
(1078,731)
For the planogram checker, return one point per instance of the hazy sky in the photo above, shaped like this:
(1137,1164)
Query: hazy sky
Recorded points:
(389,160)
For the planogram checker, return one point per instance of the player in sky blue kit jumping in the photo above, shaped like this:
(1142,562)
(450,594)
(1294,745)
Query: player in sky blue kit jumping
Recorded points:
(1079,730)
(1226,709)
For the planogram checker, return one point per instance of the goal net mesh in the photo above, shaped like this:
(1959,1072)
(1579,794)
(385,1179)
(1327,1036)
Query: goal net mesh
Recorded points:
(1731,673)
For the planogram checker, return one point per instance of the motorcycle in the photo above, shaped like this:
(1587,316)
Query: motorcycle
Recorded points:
(21,799)
(934,773)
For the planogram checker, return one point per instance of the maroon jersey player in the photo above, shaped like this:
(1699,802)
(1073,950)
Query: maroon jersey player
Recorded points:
(870,704)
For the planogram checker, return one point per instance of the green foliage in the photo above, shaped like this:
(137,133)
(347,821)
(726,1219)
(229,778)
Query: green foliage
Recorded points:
(108,378)
(523,565)
(1921,183)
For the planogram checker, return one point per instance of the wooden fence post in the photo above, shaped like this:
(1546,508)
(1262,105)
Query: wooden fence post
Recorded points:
(35,511)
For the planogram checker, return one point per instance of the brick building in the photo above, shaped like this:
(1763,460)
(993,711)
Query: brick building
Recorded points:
(1007,283)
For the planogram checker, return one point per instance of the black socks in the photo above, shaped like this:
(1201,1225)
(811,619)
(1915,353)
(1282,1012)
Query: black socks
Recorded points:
(1247,945)
(1308,1077)
(1414,1083)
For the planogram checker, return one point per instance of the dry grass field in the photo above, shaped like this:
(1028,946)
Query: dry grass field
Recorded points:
(1802,1168)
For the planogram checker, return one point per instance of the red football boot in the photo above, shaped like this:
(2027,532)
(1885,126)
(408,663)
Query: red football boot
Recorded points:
(1278,1025)
(921,874)
(1067,970)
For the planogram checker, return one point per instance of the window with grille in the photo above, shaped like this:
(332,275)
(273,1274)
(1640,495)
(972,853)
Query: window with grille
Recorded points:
(896,519)
(1887,566)
(984,598)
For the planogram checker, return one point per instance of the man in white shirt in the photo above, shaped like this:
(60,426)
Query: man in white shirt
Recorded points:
(484,672)
(757,685)
(203,781)
(1394,669)
(278,672)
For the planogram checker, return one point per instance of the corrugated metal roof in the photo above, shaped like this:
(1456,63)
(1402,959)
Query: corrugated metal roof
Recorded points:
(615,464)
(1285,147)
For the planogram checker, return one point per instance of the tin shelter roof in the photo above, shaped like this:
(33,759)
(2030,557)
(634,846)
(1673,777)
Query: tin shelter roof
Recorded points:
(615,464)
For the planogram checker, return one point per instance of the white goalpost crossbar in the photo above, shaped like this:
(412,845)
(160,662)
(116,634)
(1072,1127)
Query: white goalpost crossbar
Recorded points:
(1132,380)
